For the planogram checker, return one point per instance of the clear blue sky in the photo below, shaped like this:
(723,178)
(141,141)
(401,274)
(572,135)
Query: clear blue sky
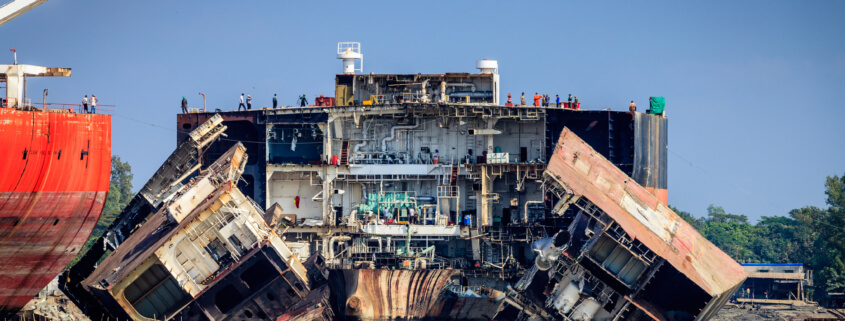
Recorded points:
(755,123)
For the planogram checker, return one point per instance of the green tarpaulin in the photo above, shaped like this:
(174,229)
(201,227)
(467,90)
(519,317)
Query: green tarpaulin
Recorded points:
(657,105)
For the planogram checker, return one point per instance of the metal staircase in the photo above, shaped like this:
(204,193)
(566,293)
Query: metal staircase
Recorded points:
(344,153)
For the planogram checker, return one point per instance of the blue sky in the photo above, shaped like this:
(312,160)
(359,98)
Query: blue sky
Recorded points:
(755,124)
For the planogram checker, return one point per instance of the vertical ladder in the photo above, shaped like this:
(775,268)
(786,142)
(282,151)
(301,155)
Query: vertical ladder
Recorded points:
(453,180)
(344,153)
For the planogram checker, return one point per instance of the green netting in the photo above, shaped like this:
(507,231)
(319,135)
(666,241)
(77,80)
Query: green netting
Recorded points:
(657,105)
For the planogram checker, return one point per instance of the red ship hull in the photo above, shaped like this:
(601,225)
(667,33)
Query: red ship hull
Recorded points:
(54,179)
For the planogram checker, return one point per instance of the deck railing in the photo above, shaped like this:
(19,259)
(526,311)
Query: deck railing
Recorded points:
(76,108)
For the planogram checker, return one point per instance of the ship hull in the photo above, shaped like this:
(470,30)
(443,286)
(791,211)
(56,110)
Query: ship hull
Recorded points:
(54,180)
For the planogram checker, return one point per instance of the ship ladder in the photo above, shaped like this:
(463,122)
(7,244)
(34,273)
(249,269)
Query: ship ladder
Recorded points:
(344,153)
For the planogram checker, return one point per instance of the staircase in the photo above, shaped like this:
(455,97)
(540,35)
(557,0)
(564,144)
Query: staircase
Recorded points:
(344,153)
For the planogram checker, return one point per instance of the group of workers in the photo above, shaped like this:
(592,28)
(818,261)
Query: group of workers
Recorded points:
(92,101)
(539,101)
(572,103)
(544,101)
(393,217)
(244,103)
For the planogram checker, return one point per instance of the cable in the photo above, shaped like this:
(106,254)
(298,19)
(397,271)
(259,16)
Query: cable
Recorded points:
(707,173)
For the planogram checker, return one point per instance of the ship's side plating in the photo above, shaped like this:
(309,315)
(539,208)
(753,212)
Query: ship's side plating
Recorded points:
(55,168)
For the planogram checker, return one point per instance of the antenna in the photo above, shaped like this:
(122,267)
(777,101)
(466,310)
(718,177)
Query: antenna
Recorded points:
(349,52)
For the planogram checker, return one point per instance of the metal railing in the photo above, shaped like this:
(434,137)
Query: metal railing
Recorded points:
(77,108)
(8,102)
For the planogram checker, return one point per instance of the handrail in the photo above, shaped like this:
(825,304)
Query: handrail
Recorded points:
(77,108)
(4,102)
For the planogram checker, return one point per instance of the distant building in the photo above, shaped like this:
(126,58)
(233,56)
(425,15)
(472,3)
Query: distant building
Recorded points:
(775,283)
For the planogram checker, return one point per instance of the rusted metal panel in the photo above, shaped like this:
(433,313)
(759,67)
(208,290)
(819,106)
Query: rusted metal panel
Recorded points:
(387,294)
(584,172)
(651,154)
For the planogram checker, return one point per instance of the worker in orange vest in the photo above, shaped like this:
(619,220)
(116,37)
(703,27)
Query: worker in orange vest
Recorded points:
(537,99)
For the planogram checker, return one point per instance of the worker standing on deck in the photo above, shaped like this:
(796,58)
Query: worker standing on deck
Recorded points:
(412,215)
(522,100)
(303,101)
(94,104)
(248,102)
(537,99)
(85,104)
(184,105)
(575,106)
(557,101)
(632,107)
(275,101)
(569,102)
(241,103)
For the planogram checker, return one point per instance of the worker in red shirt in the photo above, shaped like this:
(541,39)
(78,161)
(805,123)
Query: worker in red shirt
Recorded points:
(537,99)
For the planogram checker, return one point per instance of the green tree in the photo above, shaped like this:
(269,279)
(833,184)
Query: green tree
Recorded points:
(782,239)
(120,193)
(730,232)
(829,224)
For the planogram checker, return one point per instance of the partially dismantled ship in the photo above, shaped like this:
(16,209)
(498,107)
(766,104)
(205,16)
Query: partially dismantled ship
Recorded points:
(407,197)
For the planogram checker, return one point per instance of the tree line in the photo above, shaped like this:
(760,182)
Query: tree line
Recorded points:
(810,235)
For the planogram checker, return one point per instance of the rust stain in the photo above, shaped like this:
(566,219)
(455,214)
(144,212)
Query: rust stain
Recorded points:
(642,215)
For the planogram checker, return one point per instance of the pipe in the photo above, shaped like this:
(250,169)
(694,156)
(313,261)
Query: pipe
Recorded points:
(525,213)
(380,248)
(355,150)
(364,196)
(461,84)
(423,94)
(424,198)
(332,241)
(471,94)
(393,133)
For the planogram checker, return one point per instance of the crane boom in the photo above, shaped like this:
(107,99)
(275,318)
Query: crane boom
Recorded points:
(15,8)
